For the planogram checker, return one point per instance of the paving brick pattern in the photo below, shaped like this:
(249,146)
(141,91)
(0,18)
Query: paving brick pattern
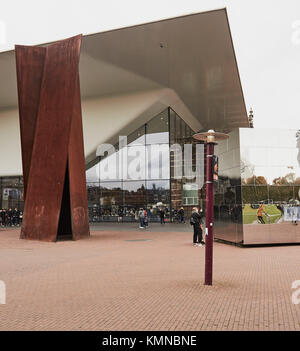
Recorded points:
(109,283)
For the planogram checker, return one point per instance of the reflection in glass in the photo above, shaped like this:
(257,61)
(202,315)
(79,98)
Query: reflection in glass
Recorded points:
(158,161)
(92,172)
(158,129)
(136,163)
(137,137)
(297,193)
(139,176)
(93,193)
(281,193)
(190,194)
(229,195)
(134,194)
(249,194)
(262,193)
(271,185)
(11,193)
(184,175)
(172,126)
(109,166)
(158,191)
(111,194)
(181,131)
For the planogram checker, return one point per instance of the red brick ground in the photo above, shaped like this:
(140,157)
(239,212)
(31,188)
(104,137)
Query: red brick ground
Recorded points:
(108,283)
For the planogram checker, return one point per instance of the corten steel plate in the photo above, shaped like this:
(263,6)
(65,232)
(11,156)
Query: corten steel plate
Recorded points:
(77,178)
(52,141)
(30,64)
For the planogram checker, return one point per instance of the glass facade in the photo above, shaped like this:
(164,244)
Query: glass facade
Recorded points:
(11,193)
(152,169)
(186,192)
(257,197)
(144,173)
(127,178)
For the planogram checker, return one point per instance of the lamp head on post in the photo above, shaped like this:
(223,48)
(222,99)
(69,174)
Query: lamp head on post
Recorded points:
(211,136)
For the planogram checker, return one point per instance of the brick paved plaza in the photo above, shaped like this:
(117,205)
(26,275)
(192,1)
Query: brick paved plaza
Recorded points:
(126,279)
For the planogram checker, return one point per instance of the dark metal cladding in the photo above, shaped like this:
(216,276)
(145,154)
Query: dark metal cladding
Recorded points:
(50,206)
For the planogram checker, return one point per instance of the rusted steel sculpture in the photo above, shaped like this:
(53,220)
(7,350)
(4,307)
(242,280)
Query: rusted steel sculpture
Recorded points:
(52,141)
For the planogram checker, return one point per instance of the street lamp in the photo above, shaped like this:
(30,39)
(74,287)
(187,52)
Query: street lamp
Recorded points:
(210,139)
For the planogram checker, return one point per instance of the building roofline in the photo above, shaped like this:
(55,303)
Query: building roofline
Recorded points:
(157,21)
(235,59)
(125,27)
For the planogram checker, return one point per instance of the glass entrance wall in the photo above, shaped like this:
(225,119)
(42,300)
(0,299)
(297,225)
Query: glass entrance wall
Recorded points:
(142,175)
(11,193)
(185,191)
(125,179)
(117,189)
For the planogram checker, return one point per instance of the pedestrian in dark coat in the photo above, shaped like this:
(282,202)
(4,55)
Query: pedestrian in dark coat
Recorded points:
(196,222)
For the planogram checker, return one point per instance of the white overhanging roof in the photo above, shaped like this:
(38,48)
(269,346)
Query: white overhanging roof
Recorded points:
(190,56)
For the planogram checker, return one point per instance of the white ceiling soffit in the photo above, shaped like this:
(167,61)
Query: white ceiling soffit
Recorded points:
(192,55)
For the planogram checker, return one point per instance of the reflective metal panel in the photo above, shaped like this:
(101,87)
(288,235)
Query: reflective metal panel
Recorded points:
(228,202)
(270,172)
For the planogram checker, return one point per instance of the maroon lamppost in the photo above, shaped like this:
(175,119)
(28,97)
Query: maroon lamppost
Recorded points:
(210,139)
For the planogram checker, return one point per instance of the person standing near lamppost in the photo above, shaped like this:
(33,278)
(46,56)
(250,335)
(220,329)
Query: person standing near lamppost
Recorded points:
(196,222)
(162,216)
(210,139)
(181,215)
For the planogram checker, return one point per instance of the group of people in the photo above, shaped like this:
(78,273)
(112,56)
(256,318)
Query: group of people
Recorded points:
(13,217)
(10,217)
(147,214)
(179,215)
(144,216)
(196,221)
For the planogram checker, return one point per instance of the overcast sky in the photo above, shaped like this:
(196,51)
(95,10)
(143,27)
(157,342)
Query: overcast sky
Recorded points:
(266,36)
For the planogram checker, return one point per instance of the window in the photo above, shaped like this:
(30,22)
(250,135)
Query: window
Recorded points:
(190,194)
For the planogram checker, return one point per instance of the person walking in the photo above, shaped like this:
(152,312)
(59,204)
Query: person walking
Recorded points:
(9,217)
(3,215)
(181,215)
(141,217)
(196,222)
(162,216)
(260,212)
(20,218)
(294,215)
(136,215)
(149,213)
(16,216)
(146,219)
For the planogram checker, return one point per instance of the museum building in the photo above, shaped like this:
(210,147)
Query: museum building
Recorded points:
(157,84)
